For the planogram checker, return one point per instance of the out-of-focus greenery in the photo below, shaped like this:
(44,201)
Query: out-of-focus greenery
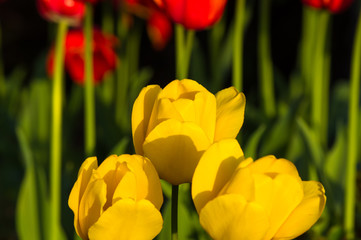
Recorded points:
(25,102)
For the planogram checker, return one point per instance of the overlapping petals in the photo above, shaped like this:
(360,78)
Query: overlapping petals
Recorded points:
(175,125)
(235,193)
(120,198)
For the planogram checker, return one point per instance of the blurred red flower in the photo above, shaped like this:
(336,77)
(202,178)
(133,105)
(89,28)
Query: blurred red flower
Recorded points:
(193,14)
(54,10)
(159,26)
(90,1)
(104,57)
(159,29)
(333,6)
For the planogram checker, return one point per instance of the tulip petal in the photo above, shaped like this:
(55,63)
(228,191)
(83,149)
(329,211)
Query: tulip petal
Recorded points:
(142,110)
(185,108)
(270,164)
(128,219)
(127,188)
(279,195)
(231,217)
(91,205)
(112,171)
(163,110)
(155,193)
(230,113)
(185,88)
(306,213)
(214,169)
(205,110)
(79,187)
(175,148)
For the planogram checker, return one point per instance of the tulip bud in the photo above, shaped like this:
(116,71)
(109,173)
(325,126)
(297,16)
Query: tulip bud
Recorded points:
(120,199)
(175,125)
(196,15)
(55,10)
(239,198)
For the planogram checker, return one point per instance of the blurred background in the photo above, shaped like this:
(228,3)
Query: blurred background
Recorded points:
(25,42)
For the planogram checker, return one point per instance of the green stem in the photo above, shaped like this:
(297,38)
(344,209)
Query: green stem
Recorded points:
(264,57)
(350,194)
(174,212)
(319,80)
(89,83)
(2,76)
(183,51)
(309,33)
(55,151)
(237,81)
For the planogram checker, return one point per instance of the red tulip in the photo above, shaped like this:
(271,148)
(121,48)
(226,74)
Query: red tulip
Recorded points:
(159,29)
(159,26)
(104,57)
(54,10)
(333,6)
(193,14)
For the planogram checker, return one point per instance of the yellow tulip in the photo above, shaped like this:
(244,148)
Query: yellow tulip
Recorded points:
(120,199)
(175,125)
(241,199)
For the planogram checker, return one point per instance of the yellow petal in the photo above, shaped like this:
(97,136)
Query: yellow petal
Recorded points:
(175,148)
(270,164)
(137,177)
(79,187)
(231,217)
(163,110)
(147,179)
(128,219)
(141,112)
(91,205)
(279,195)
(230,113)
(127,188)
(185,88)
(214,169)
(241,183)
(185,108)
(205,112)
(111,171)
(155,193)
(306,213)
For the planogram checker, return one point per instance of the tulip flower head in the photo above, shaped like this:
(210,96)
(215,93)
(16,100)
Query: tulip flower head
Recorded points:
(196,15)
(120,199)
(55,10)
(333,6)
(239,198)
(104,57)
(175,125)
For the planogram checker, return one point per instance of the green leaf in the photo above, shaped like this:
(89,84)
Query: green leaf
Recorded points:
(27,210)
(253,142)
(121,146)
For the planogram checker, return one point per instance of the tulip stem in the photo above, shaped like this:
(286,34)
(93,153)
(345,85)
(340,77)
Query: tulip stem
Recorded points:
(237,81)
(264,58)
(2,76)
(174,212)
(55,150)
(89,83)
(350,193)
(320,81)
(183,51)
